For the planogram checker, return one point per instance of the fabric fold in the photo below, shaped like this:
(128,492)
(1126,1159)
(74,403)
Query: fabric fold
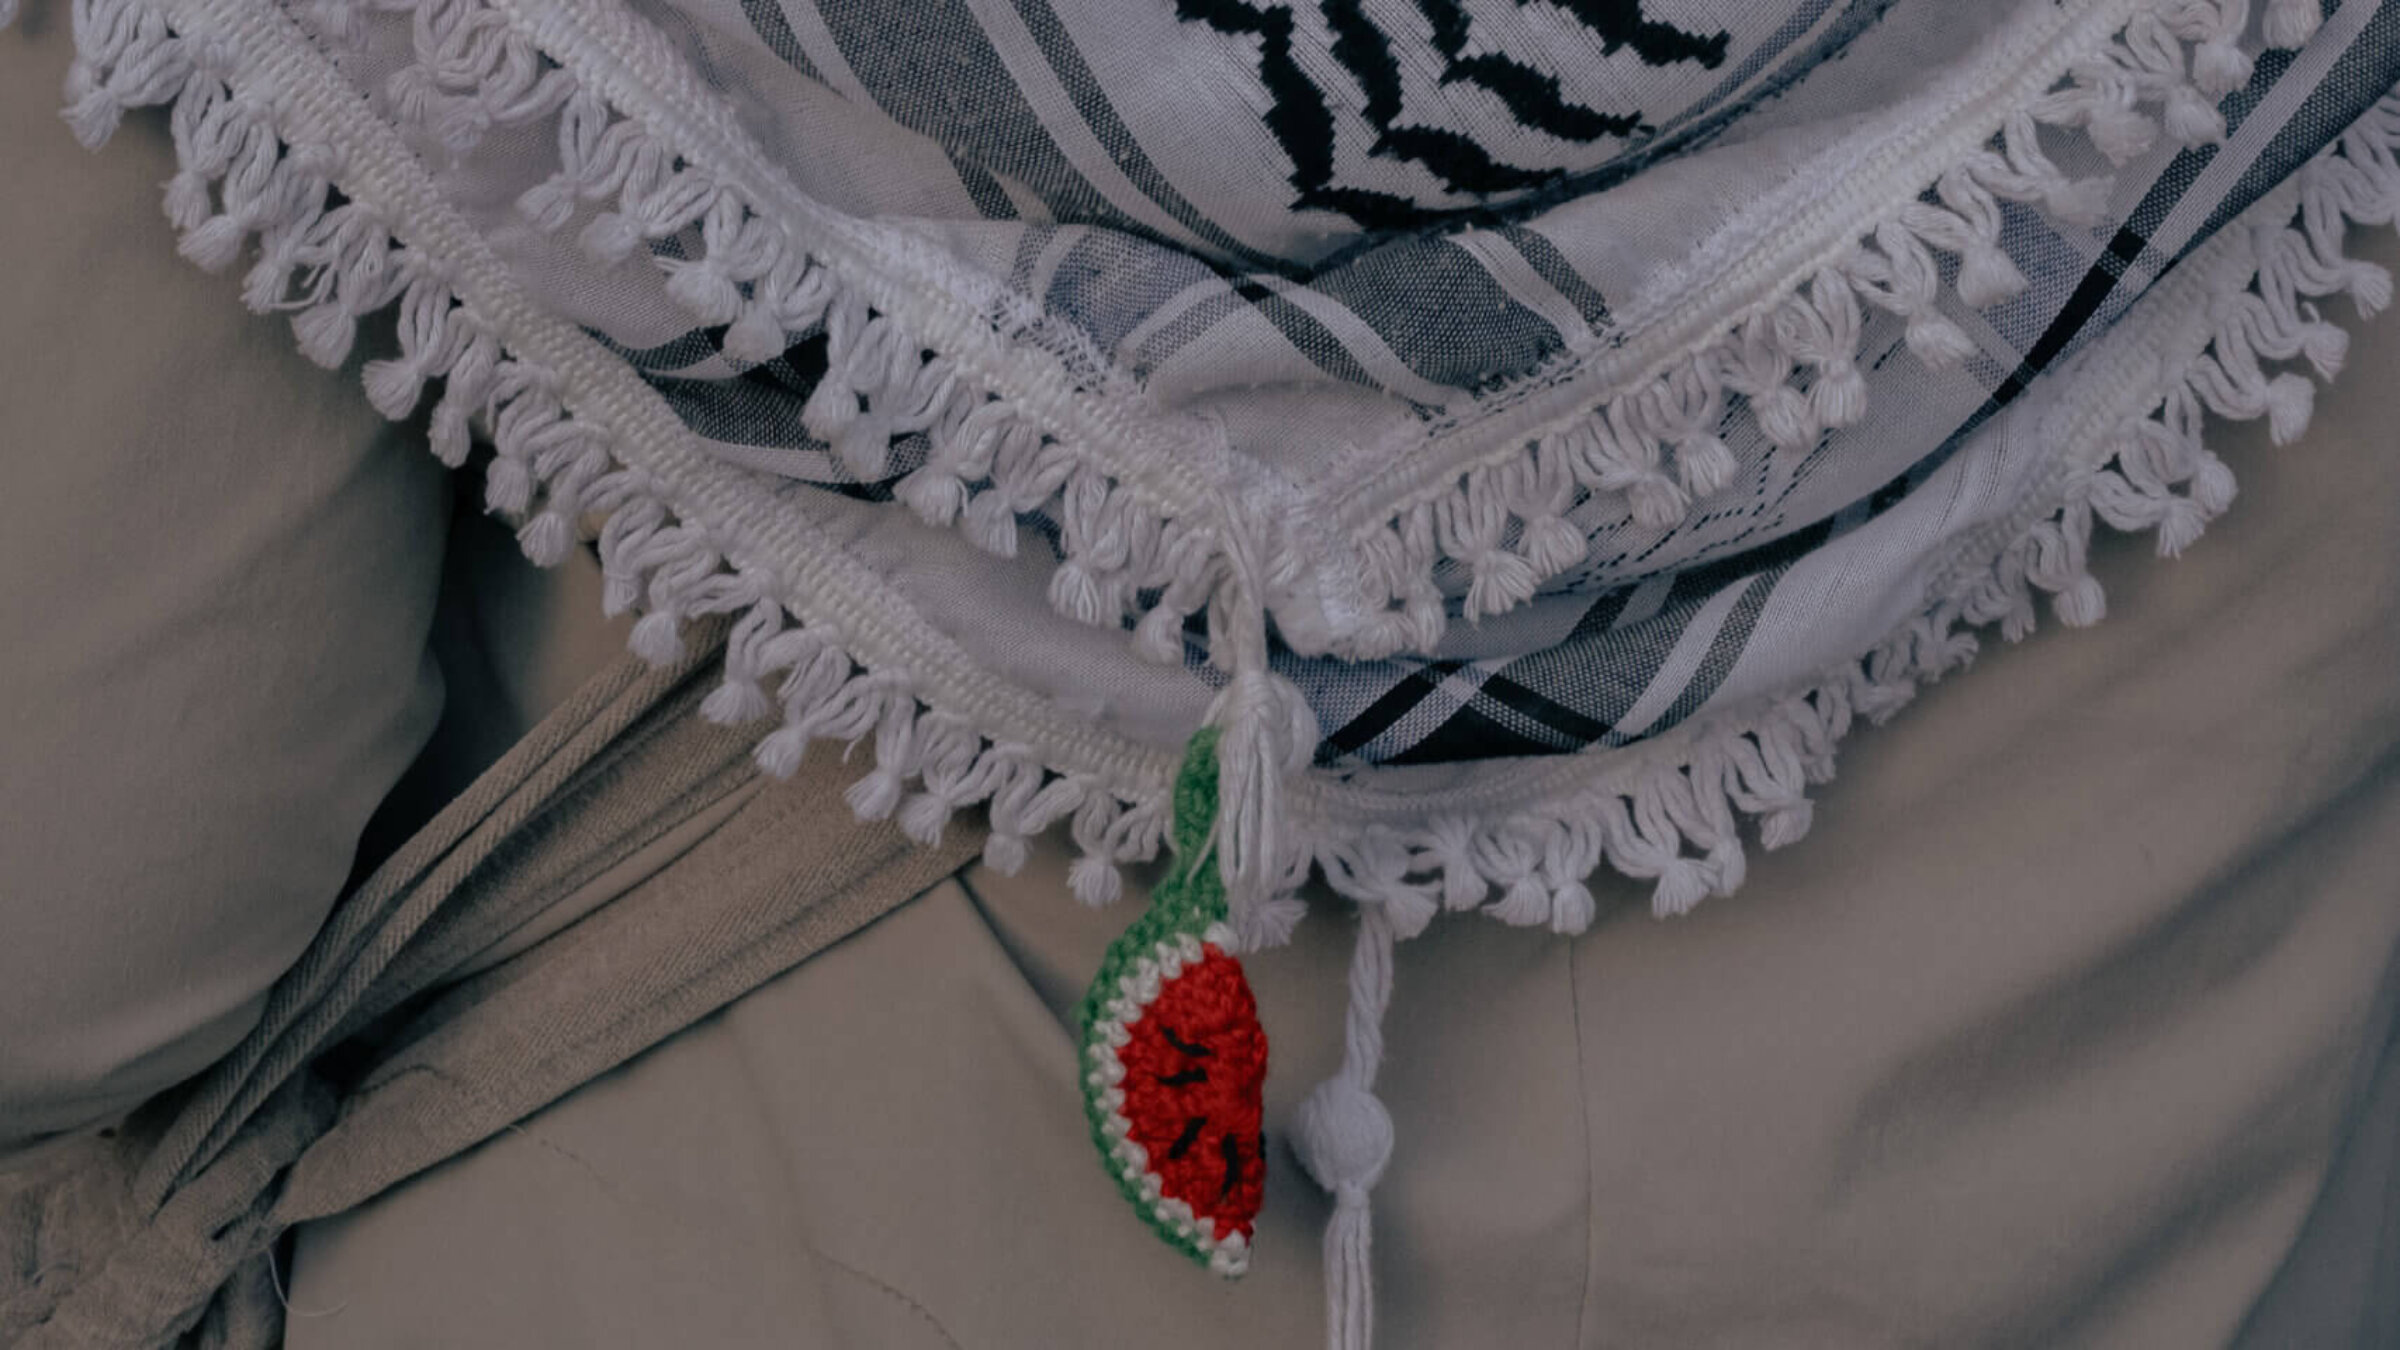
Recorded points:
(399,1041)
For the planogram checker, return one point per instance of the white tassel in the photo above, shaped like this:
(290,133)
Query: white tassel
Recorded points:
(1502,581)
(779,755)
(1343,1136)
(1936,342)
(187,200)
(446,431)
(611,238)
(1785,416)
(736,701)
(1525,904)
(214,243)
(2291,23)
(655,640)
(703,288)
(1572,909)
(392,385)
(990,523)
(1706,465)
(1158,638)
(755,337)
(1552,545)
(2119,132)
(2082,603)
(874,796)
(1266,732)
(2212,483)
(93,118)
(549,204)
(935,495)
(1786,825)
(1681,887)
(1657,502)
(2290,400)
(1006,854)
(547,539)
(1268,924)
(324,332)
(2191,119)
(2219,67)
(1095,881)
(1074,593)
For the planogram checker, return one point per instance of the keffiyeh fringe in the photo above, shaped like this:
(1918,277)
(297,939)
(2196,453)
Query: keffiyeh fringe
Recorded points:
(1131,552)
(1666,813)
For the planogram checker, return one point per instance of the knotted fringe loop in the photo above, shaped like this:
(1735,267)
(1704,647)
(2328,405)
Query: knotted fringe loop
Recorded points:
(325,248)
(1655,446)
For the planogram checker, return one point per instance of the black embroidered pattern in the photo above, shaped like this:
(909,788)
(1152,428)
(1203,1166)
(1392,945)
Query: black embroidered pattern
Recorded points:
(1184,1047)
(1190,1136)
(1303,123)
(1230,1149)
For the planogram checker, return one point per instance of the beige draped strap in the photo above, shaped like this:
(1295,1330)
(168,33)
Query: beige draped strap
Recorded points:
(465,984)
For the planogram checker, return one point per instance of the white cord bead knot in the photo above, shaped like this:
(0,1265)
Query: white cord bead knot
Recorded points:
(1344,1137)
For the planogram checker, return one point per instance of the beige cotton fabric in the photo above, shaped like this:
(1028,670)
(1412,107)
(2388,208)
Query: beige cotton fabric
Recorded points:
(470,980)
(2050,1034)
(221,568)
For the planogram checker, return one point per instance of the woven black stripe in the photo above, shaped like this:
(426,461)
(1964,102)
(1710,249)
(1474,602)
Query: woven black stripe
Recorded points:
(2376,54)
(1471,733)
(766,17)
(1313,339)
(984,190)
(1395,703)
(2361,75)
(933,70)
(1091,103)
(1545,259)
(1575,730)
(1732,638)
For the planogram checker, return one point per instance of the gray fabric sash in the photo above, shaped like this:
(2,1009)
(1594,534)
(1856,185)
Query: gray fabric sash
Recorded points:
(454,992)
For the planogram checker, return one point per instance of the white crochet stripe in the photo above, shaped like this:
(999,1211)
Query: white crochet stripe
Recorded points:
(662,158)
(265,131)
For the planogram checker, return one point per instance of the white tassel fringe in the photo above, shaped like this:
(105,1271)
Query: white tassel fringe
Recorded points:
(1672,822)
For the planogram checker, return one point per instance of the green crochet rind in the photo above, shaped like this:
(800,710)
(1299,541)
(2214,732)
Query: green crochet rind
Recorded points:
(1188,900)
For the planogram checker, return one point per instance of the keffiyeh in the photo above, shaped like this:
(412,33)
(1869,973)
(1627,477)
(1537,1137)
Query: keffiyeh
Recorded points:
(1501,439)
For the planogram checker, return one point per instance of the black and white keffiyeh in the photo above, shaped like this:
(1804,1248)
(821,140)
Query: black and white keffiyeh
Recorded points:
(1526,433)
(1432,202)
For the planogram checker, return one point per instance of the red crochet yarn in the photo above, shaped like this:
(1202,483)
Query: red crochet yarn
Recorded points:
(1193,1064)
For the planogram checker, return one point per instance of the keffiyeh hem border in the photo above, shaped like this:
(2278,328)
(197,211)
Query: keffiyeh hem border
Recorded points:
(275,150)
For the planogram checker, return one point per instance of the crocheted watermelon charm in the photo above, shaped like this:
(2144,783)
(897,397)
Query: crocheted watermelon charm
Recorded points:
(1174,1058)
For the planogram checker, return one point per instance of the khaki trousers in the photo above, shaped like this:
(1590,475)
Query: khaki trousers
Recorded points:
(2067,1026)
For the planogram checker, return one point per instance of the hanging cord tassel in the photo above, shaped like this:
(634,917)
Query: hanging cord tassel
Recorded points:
(1267,735)
(1345,1138)
(1174,1058)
